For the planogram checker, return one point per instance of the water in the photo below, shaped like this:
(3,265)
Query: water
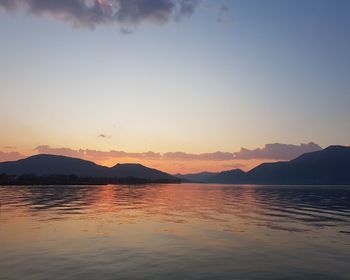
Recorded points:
(188,231)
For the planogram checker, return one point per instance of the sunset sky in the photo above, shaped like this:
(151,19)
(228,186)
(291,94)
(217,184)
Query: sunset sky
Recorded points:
(179,85)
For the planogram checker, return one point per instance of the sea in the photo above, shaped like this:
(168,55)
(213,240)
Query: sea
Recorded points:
(174,231)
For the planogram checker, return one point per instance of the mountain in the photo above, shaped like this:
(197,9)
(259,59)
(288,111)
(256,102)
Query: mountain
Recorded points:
(328,166)
(226,177)
(196,177)
(138,171)
(47,165)
(43,165)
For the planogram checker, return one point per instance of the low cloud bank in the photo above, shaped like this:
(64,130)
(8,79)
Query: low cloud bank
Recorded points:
(270,151)
(277,151)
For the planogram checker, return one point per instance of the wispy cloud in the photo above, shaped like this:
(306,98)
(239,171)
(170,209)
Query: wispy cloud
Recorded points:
(224,15)
(216,156)
(102,135)
(176,156)
(90,13)
(10,156)
(9,147)
(95,154)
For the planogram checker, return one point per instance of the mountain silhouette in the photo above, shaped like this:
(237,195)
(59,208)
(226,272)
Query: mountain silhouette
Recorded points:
(328,166)
(196,177)
(225,177)
(138,171)
(46,165)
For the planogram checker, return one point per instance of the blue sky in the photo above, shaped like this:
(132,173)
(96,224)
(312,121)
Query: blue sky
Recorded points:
(269,71)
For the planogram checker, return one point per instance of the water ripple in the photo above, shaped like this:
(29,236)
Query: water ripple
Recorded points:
(188,231)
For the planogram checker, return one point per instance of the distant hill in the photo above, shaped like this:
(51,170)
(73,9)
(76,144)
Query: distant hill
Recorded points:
(328,166)
(138,171)
(196,177)
(47,165)
(226,177)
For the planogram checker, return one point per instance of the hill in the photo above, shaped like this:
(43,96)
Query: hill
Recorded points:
(196,177)
(49,165)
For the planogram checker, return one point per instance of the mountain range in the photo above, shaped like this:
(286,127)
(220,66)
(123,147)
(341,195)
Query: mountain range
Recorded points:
(328,166)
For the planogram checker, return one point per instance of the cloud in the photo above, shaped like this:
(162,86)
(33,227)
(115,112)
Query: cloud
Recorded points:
(10,156)
(45,149)
(277,151)
(224,15)
(95,154)
(9,147)
(102,135)
(206,156)
(91,13)
(9,4)
(87,153)
(270,151)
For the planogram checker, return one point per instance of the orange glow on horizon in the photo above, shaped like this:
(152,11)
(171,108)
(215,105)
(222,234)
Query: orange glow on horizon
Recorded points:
(186,167)
(171,166)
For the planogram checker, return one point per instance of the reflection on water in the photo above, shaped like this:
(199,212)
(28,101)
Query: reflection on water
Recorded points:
(187,231)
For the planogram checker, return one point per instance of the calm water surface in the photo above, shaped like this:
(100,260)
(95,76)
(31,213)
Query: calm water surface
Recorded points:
(188,231)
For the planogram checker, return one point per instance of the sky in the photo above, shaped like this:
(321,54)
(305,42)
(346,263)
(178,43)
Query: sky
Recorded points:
(179,85)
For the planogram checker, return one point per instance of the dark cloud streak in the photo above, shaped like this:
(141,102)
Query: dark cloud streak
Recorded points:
(102,135)
(90,13)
